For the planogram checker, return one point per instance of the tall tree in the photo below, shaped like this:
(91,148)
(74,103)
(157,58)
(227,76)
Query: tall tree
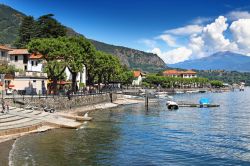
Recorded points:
(54,51)
(107,67)
(79,49)
(49,27)
(27,31)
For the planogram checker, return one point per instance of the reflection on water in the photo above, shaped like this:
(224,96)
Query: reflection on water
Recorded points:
(132,136)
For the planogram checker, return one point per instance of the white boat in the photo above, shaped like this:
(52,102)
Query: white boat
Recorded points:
(192,91)
(179,92)
(172,105)
(163,95)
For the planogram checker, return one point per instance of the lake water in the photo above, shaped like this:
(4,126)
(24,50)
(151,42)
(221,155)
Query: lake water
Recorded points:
(131,135)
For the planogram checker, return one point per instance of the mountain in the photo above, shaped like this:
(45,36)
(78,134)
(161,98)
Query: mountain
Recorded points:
(219,61)
(10,20)
(133,58)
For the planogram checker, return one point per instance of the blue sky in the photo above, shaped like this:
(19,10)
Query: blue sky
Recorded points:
(136,24)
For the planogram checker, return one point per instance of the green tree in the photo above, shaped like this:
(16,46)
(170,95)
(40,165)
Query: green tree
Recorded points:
(107,67)
(216,83)
(27,31)
(49,27)
(54,51)
(79,49)
(7,69)
(126,77)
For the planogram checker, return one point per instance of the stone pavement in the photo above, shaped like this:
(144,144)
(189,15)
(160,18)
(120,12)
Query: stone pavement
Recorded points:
(19,120)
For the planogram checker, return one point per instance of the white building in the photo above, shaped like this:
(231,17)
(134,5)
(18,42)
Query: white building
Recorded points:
(138,76)
(182,74)
(35,63)
(81,76)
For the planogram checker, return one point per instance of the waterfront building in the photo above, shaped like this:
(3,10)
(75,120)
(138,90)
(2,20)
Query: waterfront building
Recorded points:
(35,63)
(80,78)
(182,74)
(26,83)
(31,79)
(19,58)
(138,77)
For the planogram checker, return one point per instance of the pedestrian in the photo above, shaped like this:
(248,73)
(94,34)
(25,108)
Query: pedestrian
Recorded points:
(68,94)
(3,106)
(7,108)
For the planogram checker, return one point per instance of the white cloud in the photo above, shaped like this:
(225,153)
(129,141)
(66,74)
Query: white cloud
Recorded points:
(196,44)
(170,40)
(236,15)
(241,34)
(213,35)
(173,56)
(200,41)
(186,30)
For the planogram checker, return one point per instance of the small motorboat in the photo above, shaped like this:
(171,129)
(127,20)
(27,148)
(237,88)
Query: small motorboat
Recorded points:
(204,102)
(172,105)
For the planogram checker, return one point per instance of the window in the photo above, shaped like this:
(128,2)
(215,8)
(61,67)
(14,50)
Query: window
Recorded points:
(36,63)
(32,63)
(25,59)
(34,81)
(16,58)
(2,53)
(25,68)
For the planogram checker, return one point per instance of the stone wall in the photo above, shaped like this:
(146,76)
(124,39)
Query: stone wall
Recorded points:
(63,103)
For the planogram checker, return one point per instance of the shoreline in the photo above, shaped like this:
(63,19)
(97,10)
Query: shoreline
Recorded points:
(6,142)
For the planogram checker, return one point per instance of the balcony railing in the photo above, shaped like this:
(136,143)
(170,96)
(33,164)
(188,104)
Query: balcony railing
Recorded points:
(30,74)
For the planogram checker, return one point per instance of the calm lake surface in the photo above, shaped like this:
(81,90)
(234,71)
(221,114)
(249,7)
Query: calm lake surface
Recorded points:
(131,135)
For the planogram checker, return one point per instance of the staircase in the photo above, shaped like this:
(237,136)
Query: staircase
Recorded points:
(19,120)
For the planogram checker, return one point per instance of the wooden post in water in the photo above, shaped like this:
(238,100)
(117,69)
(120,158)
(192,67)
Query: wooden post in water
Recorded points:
(146,99)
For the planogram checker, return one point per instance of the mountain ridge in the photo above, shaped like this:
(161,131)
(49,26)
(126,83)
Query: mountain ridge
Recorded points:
(218,61)
(132,58)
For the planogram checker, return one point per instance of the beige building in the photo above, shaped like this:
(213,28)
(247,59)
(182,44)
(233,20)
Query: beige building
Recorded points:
(27,83)
(19,58)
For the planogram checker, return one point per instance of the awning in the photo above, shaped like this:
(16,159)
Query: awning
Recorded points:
(11,86)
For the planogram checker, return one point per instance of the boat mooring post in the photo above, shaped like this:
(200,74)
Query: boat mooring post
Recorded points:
(146,99)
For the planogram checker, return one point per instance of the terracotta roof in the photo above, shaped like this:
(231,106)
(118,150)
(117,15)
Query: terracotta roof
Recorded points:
(36,56)
(171,72)
(2,47)
(137,73)
(189,72)
(175,72)
(21,51)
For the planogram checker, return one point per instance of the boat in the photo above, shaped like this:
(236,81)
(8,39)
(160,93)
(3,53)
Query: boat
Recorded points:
(202,91)
(172,105)
(204,102)
(161,95)
(192,91)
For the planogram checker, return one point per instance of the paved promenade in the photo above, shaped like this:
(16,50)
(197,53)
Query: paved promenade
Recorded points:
(19,120)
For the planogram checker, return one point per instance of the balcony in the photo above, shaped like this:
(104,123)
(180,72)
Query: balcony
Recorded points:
(30,74)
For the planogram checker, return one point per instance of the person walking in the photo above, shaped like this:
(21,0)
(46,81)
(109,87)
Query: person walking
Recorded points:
(7,108)
(3,106)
